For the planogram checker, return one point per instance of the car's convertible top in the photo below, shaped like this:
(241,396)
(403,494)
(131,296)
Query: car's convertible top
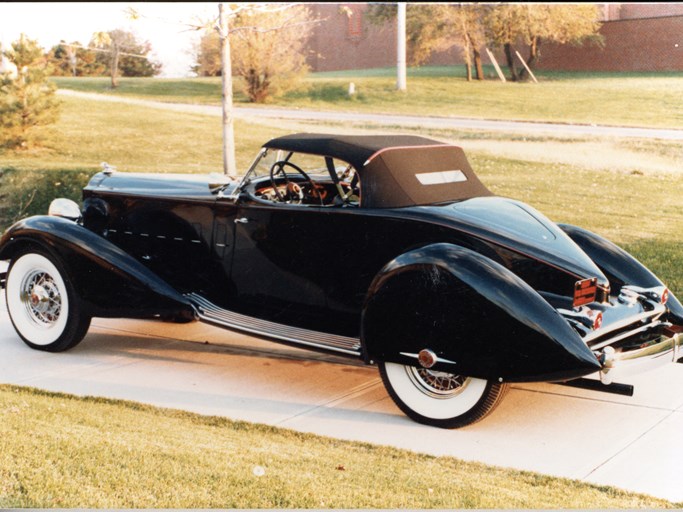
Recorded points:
(395,170)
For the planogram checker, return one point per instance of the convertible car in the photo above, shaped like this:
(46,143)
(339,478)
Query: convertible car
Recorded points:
(386,249)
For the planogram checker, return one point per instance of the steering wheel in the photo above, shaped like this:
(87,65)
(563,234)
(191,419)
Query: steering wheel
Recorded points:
(294,193)
(348,196)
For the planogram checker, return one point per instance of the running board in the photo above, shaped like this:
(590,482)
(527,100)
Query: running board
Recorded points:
(210,313)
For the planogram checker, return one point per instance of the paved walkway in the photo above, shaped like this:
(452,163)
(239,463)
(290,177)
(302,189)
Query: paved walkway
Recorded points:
(397,120)
(631,443)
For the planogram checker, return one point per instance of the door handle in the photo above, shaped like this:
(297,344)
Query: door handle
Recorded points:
(241,220)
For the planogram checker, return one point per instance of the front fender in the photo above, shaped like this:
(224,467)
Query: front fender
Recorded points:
(108,281)
(479,318)
(619,266)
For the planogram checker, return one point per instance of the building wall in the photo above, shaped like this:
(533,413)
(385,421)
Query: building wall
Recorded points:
(638,37)
(651,44)
(646,10)
(341,41)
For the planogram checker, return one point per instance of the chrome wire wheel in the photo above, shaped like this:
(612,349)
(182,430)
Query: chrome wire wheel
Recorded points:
(439,398)
(42,297)
(435,384)
(42,305)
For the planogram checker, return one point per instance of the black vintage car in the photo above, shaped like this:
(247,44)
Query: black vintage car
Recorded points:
(386,249)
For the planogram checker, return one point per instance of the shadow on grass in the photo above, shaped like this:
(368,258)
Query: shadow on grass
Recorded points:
(325,92)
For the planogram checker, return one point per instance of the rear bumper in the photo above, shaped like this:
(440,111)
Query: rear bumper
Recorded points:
(617,364)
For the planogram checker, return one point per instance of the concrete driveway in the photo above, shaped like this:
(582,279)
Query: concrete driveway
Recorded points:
(631,443)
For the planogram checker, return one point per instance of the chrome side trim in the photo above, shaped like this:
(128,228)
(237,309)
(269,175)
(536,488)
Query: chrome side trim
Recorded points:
(657,311)
(209,312)
(624,335)
(438,359)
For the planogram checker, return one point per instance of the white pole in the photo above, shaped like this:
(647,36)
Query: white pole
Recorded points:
(401,47)
(229,164)
(526,66)
(495,65)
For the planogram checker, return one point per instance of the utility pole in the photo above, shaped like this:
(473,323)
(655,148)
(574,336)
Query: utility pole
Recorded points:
(229,164)
(401,47)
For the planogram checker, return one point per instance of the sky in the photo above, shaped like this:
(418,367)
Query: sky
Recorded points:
(160,23)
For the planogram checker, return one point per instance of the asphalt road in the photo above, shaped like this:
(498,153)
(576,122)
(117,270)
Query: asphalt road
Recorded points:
(459,123)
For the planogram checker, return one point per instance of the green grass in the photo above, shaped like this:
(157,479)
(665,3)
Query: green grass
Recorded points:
(633,99)
(61,451)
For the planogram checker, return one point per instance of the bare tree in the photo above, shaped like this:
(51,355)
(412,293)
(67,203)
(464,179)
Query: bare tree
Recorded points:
(264,34)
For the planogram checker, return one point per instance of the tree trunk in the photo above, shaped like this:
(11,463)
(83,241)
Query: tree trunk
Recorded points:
(468,57)
(533,56)
(477,64)
(510,62)
(114,66)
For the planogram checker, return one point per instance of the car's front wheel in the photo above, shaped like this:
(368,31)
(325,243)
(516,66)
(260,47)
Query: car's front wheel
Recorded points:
(438,398)
(42,304)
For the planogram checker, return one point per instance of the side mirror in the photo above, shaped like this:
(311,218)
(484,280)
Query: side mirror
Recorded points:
(65,208)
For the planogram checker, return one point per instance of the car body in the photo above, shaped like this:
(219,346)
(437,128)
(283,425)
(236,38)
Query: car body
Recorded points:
(386,249)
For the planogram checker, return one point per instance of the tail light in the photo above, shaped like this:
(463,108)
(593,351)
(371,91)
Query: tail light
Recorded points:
(664,297)
(595,317)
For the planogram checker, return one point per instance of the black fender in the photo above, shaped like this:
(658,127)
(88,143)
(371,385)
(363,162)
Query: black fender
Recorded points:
(108,281)
(480,319)
(620,267)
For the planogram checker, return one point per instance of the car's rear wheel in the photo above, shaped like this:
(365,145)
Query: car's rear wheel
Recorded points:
(42,304)
(438,398)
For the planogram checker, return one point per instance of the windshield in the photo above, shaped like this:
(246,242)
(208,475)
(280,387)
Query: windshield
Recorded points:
(313,165)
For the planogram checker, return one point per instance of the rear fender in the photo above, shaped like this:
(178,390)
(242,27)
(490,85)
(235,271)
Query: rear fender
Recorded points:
(479,318)
(108,281)
(620,267)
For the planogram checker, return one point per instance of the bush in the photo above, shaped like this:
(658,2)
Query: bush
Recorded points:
(26,193)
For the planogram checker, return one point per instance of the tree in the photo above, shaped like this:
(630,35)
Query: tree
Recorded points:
(73,59)
(267,49)
(27,100)
(437,27)
(532,24)
(425,27)
(122,53)
(462,24)
(208,55)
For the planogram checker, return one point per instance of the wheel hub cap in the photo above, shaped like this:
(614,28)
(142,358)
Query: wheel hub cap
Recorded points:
(42,298)
(438,384)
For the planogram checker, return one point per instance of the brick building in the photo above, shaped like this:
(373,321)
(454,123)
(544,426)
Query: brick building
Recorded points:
(638,37)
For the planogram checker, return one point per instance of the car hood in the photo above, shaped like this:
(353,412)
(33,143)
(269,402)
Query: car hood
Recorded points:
(519,227)
(188,186)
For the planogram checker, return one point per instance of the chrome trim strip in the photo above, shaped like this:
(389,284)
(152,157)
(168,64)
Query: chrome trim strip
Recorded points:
(438,359)
(658,310)
(211,313)
(625,335)
(662,351)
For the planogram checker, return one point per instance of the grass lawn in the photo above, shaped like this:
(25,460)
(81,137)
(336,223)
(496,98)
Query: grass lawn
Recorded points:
(61,451)
(628,99)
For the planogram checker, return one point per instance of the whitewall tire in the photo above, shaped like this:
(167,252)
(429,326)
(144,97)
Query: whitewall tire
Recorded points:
(440,399)
(42,305)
